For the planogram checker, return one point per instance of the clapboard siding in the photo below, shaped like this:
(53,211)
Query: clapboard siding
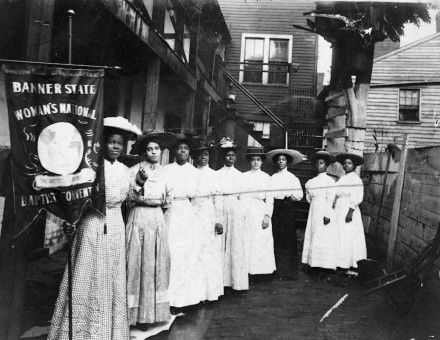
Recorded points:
(416,62)
(271,17)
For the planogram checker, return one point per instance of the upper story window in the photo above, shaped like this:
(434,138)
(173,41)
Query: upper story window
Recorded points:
(265,58)
(409,105)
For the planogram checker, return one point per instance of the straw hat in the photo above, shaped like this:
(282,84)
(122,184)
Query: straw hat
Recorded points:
(122,124)
(293,156)
(255,151)
(357,160)
(328,159)
(164,139)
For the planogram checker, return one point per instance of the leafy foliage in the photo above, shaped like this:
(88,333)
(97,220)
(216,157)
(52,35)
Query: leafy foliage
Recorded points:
(370,21)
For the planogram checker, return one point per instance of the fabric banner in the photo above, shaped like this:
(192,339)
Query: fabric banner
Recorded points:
(55,122)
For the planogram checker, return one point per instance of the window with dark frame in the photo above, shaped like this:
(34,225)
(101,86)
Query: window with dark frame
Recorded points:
(409,104)
(265,59)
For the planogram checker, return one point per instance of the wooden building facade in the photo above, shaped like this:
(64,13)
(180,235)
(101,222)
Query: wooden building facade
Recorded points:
(411,102)
(277,64)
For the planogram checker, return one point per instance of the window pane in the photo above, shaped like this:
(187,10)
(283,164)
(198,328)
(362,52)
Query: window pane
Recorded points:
(278,57)
(253,60)
(254,49)
(409,100)
(278,50)
(266,130)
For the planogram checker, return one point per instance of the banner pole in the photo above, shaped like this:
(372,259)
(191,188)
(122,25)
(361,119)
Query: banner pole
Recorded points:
(71,14)
(69,237)
(69,268)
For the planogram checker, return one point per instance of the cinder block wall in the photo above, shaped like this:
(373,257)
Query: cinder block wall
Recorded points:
(420,206)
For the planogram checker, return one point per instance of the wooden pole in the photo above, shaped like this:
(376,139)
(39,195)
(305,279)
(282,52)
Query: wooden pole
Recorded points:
(396,204)
(382,194)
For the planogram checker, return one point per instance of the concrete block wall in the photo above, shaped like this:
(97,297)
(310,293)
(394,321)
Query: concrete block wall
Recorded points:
(420,204)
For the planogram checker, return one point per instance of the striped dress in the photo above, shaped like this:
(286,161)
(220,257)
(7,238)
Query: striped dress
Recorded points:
(148,257)
(99,274)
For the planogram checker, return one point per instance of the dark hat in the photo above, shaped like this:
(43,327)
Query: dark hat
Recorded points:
(201,145)
(255,151)
(357,160)
(164,139)
(188,138)
(292,156)
(328,159)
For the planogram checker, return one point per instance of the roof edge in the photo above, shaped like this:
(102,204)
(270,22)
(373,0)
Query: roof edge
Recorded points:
(406,47)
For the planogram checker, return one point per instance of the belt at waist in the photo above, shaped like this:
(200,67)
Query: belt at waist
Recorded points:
(146,205)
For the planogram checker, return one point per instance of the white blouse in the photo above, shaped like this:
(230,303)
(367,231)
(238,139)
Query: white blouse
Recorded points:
(285,184)
(181,181)
(258,186)
(231,181)
(208,188)
(351,188)
(322,189)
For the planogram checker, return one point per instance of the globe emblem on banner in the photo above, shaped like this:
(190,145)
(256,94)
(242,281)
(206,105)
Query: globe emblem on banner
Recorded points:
(60,148)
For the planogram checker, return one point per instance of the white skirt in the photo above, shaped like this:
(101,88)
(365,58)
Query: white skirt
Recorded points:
(184,239)
(261,255)
(320,241)
(351,238)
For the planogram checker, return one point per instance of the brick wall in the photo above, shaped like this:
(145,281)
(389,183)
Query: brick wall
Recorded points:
(420,206)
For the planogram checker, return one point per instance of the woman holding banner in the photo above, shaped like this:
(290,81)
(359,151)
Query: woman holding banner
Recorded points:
(98,256)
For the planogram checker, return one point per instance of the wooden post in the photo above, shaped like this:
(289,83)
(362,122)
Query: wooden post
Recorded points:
(396,204)
(205,117)
(151,94)
(188,119)
(382,194)
(39,29)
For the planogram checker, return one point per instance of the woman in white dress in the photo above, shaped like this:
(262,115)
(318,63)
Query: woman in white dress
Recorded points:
(320,239)
(98,256)
(207,205)
(258,201)
(235,231)
(184,232)
(148,259)
(349,194)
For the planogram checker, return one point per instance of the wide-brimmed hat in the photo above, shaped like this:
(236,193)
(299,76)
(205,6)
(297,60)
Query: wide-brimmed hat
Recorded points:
(123,125)
(357,160)
(226,144)
(164,139)
(293,156)
(328,159)
(255,151)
